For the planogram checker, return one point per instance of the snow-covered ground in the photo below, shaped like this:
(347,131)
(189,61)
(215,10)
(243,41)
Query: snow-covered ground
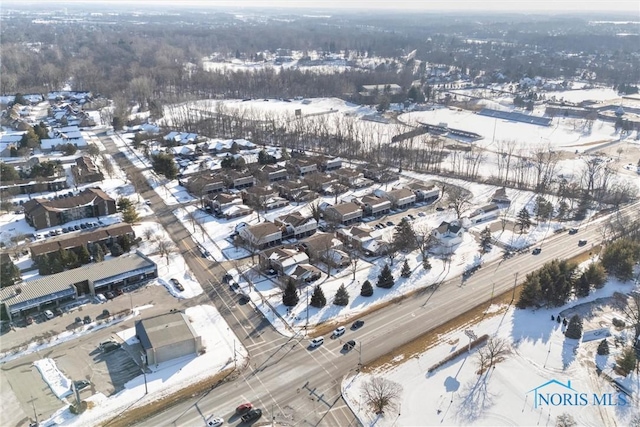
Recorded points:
(455,394)
(162,380)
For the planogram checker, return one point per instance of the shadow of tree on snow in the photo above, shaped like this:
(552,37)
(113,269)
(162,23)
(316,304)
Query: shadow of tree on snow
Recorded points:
(476,399)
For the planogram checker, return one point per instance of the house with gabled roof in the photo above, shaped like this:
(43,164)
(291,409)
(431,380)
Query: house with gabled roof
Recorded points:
(261,236)
(239,179)
(426,193)
(296,225)
(301,167)
(351,178)
(500,197)
(448,234)
(485,213)
(273,173)
(282,259)
(364,238)
(343,213)
(317,245)
(375,206)
(401,198)
(205,183)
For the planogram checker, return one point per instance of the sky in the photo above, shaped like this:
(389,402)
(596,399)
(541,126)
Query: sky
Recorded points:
(632,6)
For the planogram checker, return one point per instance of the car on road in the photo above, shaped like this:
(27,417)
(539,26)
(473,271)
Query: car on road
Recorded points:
(390,223)
(439,208)
(82,384)
(536,251)
(147,202)
(421,214)
(215,422)
(177,284)
(582,242)
(573,230)
(316,342)
(241,409)
(109,346)
(48,314)
(338,332)
(357,324)
(252,415)
(349,345)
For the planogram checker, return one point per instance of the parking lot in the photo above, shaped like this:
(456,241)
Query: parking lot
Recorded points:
(79,358)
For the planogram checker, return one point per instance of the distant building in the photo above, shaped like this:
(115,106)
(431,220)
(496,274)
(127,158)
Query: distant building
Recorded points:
(296,225)
(343,213)
(262,235)
(92,202)
(500,197)
(373,90)
(485,213)
(167,337)
(401,198)
(375,206)
(301,167)
(85,171)
(448,234)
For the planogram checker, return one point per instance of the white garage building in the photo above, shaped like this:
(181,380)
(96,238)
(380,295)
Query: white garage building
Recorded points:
(167,336)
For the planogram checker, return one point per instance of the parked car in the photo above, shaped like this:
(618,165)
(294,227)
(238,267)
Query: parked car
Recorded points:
(109,346)
(57,311)
(252,415)
(226,278)
(101,298)
(573,230)
(421,214)
(177,284)
(119,291)
(338,332)
(536,251)
(271,272)
(48,314)
(76,227)
(390,223)
(357,324)
(83,226)
(110,295)
(104,315)
(241,409)
(439,208)
(582,242)
(29,320)
(349,345)
(234,287)
(147,202)
(78,319)
(411,217)
(82,384)
(86,320)
(215,422)
(316,342)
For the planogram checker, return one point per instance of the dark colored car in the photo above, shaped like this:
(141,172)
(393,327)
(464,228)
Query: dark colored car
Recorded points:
(357,324)
(226,278)
(252,415)
(573,231)
(349,345)
(109,295)
(390,223)
(536,251)
(78,320)
(76,227)
(86,320)
(119,291)
(177,284)
(439,208)
(82,384)
(104,315)
(109,346)
(57,311)
(83,226)
(29,320)
(244,408)
(234,286)
(582,242)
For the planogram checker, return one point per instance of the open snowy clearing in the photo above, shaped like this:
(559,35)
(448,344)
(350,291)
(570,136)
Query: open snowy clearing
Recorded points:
(455,394)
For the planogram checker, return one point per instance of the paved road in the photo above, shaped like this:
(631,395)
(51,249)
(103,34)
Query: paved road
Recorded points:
(302,387)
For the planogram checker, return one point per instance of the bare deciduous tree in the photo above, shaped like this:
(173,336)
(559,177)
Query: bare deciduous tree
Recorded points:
(148,233)
(382,394)
(493,352)
(458,198)
(630,307)
(165,247)
(107,166)
(354,258)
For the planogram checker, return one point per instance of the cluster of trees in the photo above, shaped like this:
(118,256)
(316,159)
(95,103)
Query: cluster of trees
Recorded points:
(9,272)
(554,282)
(163,164)
(129,213)
(620,256)
(44,169)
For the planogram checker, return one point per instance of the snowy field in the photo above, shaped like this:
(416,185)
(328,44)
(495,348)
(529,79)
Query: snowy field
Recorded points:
(455,394)
(162,380)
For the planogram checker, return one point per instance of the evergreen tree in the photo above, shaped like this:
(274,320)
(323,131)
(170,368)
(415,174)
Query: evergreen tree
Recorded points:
(71,260)
(404,237)
(124,242)
(626,362)
(129,215)
(290,295)
(582,286)
(83,256)
(116,250)
(603,348)
(342,296)
(123,204)
(44,265)
(619,257)
(9,273)
(164,164)
(98,253)
(574,329)
(8,173)
(530,292)
(426,264)
(385,279)
(318,299)
(367,289)
(406,271)
(524,220)
(56,265)
(485,240)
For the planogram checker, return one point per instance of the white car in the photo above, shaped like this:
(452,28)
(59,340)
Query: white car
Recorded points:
(316,342)
(339,331)
(215,422)
(48,314)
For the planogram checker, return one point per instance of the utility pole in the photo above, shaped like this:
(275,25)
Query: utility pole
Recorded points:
(515,282)
(360,355)
(307,325)
(234,355)
(144,373)
(35,414)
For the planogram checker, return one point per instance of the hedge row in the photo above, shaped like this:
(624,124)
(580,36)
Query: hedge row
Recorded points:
(458,352)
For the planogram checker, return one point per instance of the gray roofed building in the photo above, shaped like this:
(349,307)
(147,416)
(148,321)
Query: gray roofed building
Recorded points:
(46,291)
(166,337)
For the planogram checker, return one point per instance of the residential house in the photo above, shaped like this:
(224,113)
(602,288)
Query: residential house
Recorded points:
(206,183)
(328,164)
(258,195)
(86,238)
(92,202)
(367,240)
(323,184)
(31,186)
(485,213)
(181,137)
(424,193)
(292,190)
(85,171)
(296,225)
(228,206)
(319,244)
(500,197)
(301,167)
(379,173)
(282,259)
(401,198)
(301,274)
(261,236)
(448,234)
(273,173)
(375,206)
(239,180)
(343,213)
(275,202)
(351,178)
